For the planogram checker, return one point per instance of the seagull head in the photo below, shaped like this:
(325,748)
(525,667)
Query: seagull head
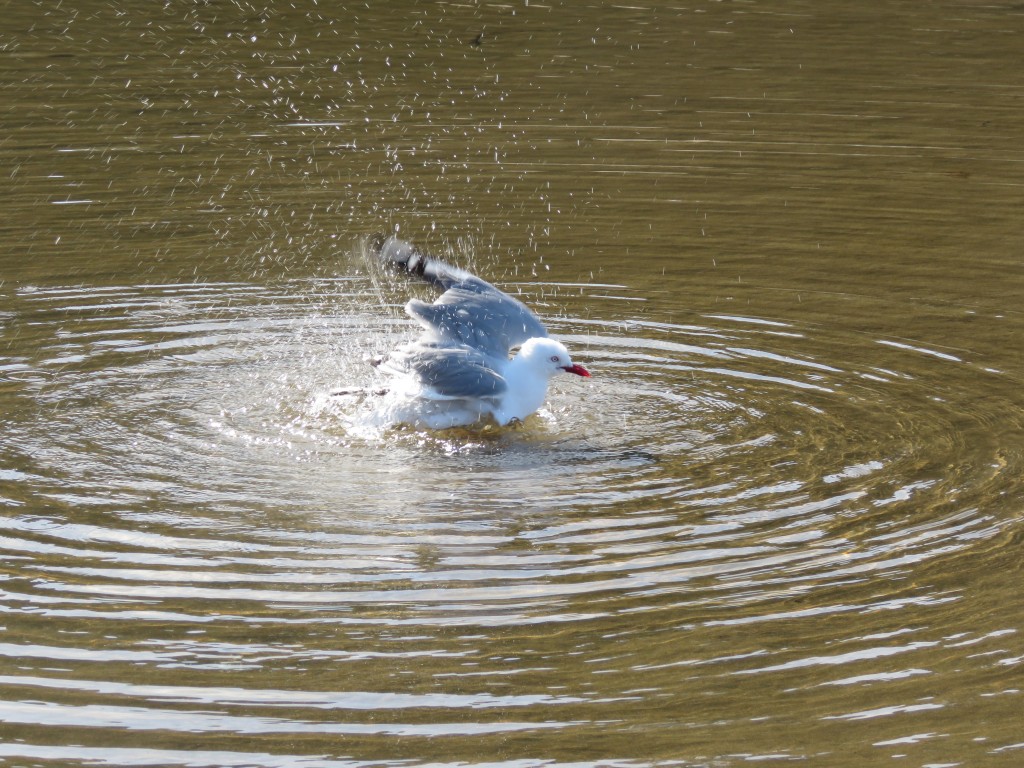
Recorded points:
(549,357)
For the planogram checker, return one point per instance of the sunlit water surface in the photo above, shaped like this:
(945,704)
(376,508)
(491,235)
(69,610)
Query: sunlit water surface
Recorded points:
(781,522)
(735,512)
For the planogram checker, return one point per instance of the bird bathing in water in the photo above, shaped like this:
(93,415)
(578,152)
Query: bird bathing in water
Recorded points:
(461,371)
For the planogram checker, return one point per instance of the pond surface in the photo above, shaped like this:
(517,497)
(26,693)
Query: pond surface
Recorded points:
(783,521)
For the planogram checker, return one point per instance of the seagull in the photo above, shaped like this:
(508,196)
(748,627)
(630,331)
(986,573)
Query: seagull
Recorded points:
(461,370)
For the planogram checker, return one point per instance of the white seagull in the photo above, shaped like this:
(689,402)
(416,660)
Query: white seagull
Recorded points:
(460,371)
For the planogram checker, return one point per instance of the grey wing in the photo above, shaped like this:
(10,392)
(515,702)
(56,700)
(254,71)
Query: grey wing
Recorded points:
(452,370)
(475,313)
(471,311)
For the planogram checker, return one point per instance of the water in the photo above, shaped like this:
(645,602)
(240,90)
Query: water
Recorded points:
(781,522)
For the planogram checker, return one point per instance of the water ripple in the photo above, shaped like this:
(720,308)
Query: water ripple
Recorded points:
(177,476)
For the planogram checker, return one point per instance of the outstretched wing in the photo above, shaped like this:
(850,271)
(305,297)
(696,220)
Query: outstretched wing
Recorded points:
(471,311)
(483,318)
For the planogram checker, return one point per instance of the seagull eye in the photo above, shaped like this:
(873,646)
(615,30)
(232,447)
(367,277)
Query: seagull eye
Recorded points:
(554,358)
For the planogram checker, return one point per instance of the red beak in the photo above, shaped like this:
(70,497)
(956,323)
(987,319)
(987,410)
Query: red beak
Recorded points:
(579,370)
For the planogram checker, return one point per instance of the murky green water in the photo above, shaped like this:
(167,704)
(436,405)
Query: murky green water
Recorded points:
(782,522)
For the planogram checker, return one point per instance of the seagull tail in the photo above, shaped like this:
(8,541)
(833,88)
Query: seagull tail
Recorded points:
(407,257)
